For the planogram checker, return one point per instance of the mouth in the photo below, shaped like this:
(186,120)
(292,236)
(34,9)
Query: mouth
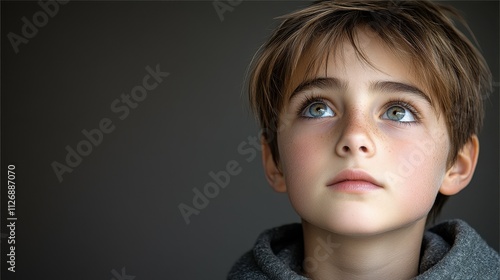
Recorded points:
(354,181)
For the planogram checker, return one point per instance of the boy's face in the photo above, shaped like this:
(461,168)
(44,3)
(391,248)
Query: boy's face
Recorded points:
(362,150)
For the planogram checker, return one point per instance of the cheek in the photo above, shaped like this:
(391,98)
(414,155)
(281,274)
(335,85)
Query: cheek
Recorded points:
(300,154)
(304,157)
(420,171)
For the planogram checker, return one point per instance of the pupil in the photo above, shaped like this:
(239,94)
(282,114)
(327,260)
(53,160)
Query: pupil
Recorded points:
(318,110)
(397,113)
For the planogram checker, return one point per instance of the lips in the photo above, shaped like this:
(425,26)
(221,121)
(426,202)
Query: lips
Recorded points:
(354,180)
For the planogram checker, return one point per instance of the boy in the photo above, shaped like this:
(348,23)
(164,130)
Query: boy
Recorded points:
(370,112)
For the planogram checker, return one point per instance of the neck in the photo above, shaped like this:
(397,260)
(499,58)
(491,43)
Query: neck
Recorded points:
(389,255)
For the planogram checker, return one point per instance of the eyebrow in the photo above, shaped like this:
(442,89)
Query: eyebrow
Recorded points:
(320,83)
(395,87)
(378,86)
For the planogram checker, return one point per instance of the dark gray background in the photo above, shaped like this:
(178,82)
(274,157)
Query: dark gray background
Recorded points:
(119,207)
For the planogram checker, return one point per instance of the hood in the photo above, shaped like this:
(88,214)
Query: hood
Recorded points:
(450,250)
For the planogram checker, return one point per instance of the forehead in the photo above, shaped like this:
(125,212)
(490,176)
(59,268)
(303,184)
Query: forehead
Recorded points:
(325,56)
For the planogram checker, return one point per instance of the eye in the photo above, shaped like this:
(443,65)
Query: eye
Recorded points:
(399,113)
(317,109)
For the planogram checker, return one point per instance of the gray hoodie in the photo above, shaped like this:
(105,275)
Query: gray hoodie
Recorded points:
(450,250)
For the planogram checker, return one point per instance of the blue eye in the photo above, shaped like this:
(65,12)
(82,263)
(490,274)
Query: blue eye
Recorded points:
(399,114)
(317,109)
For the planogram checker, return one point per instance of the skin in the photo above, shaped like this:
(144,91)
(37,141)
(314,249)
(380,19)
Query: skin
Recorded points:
(393,134)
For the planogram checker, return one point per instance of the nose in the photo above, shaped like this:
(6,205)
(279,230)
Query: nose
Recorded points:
(356,138)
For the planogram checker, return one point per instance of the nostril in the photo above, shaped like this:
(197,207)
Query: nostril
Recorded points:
(363,149)
(345,149)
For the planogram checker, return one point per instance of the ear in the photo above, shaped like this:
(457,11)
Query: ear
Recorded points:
(273,173)
(460,174)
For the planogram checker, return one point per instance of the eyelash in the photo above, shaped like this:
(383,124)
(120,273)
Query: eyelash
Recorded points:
(408,106)
(308,100)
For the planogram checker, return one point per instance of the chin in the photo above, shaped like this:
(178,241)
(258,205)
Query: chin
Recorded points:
(357,228)
(354,225)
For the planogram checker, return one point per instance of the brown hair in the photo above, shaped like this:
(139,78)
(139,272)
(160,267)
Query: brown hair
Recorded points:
(454,70)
